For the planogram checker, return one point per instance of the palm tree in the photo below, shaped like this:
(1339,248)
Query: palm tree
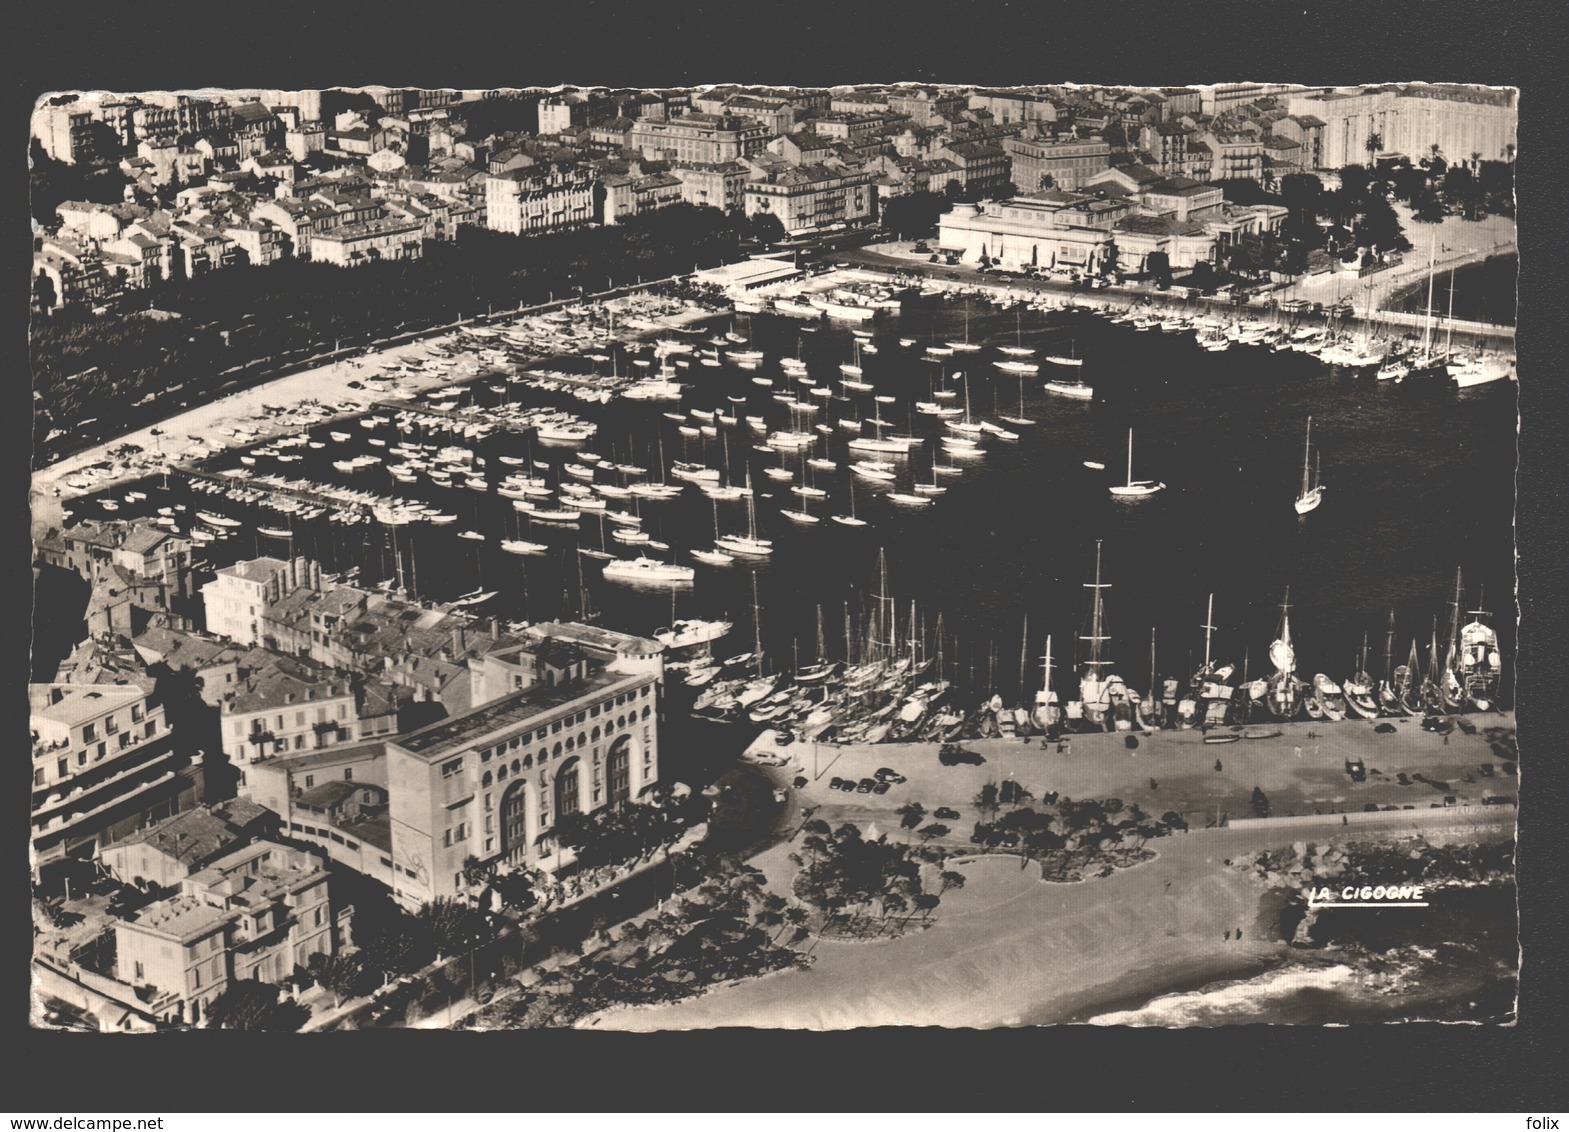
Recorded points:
(950,879)
(1476,161)
(1374,146)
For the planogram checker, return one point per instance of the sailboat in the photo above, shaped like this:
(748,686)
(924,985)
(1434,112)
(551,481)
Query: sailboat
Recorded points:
(850,520)
(1135,489)
(1480,662)
(748,544)
(1048,712)
(1284,698)
(1407,683)
(1018,349)
(1389,688)
(965,347)
(1449,685)
(1014,363)
(1210,683)
(1095,704)
(1312,491)
(1361,697)
(1021,419)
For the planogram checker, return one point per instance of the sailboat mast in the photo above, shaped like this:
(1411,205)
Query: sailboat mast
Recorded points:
(1024,652)
(1307,449)
(1096,637)
(1389,648)
(1208,628)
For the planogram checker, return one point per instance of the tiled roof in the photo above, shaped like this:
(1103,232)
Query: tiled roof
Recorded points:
(198,835)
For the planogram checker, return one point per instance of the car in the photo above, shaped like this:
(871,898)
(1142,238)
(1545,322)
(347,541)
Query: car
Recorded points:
(356,385)
(888,774)
(835,783)
(951,754)
(882,788)
(945,813)
(866,786)
(800,782)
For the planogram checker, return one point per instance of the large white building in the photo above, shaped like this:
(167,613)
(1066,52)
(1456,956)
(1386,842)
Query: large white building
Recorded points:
(1460,120)
(104,764)
(566,722)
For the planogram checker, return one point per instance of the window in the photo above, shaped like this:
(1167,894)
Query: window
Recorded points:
(555,728)
(140,972)
(196,977)
(487,800)
(299,719)
(310,780)
(348,774)
(152,729)
(463,832)
(299,742)
(450,769)
(89,732)
(317,917)
(81,757)
(38,776)
(446,838)
(212,944)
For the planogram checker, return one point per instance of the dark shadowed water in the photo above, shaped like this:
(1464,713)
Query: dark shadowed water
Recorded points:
(1419,478)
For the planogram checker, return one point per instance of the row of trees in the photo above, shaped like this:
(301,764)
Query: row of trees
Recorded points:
(632,831)
(94,366)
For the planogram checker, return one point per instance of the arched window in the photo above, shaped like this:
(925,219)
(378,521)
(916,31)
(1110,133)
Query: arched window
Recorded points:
(528,761)
(567,789)
(594,735)
(542,756)
(516,766)
(571,742)
(555,752)
(645,711)
(501,773)
(514,821)
(620,769)
(621,721)
(485,781)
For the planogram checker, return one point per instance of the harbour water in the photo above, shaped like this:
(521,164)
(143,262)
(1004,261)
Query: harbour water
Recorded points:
(1419,480)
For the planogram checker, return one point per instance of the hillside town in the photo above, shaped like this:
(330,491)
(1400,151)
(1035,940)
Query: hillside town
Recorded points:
(346,705)
(185,184)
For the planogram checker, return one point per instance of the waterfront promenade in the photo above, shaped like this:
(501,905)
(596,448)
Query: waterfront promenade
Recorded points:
(1009,949)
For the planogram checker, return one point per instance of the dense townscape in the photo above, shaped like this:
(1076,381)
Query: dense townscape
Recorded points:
(378,428)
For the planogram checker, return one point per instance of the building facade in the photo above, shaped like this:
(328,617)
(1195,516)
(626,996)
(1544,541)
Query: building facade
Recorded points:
(256,913)
(522,202)
(1051,163)
(809,197)
(104,764)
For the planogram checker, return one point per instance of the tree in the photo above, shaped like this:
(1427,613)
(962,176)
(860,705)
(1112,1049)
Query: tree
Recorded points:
(1374,146)
(986,799)
(1461,191)
(344,975)
(1378,226)
(934,830)
(914,215)
(1158,266)
(950,879)
(1260,803)
(247,1004)
(453,927)
(910,815)
(1355,182)
(766,228)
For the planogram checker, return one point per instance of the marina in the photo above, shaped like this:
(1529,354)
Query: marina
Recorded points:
(505,460)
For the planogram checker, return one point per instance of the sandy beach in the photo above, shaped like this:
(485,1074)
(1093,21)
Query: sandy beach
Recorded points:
(1007,949)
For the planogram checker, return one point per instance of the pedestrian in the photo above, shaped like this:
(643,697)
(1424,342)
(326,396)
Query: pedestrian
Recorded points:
(1344,820)
(1228,935)
(1297,752)
(1239,933)
(1446,738)
(1217,764)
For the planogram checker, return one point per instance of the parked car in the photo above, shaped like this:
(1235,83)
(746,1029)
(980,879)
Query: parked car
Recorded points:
(866,786)
(835,783)
(951,754)
(945,813)
(800,782)
(888,774)
(881,788)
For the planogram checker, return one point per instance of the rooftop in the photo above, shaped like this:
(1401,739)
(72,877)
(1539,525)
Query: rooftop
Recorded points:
(196,836)
(461,731)
(255,569)
(79,703)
